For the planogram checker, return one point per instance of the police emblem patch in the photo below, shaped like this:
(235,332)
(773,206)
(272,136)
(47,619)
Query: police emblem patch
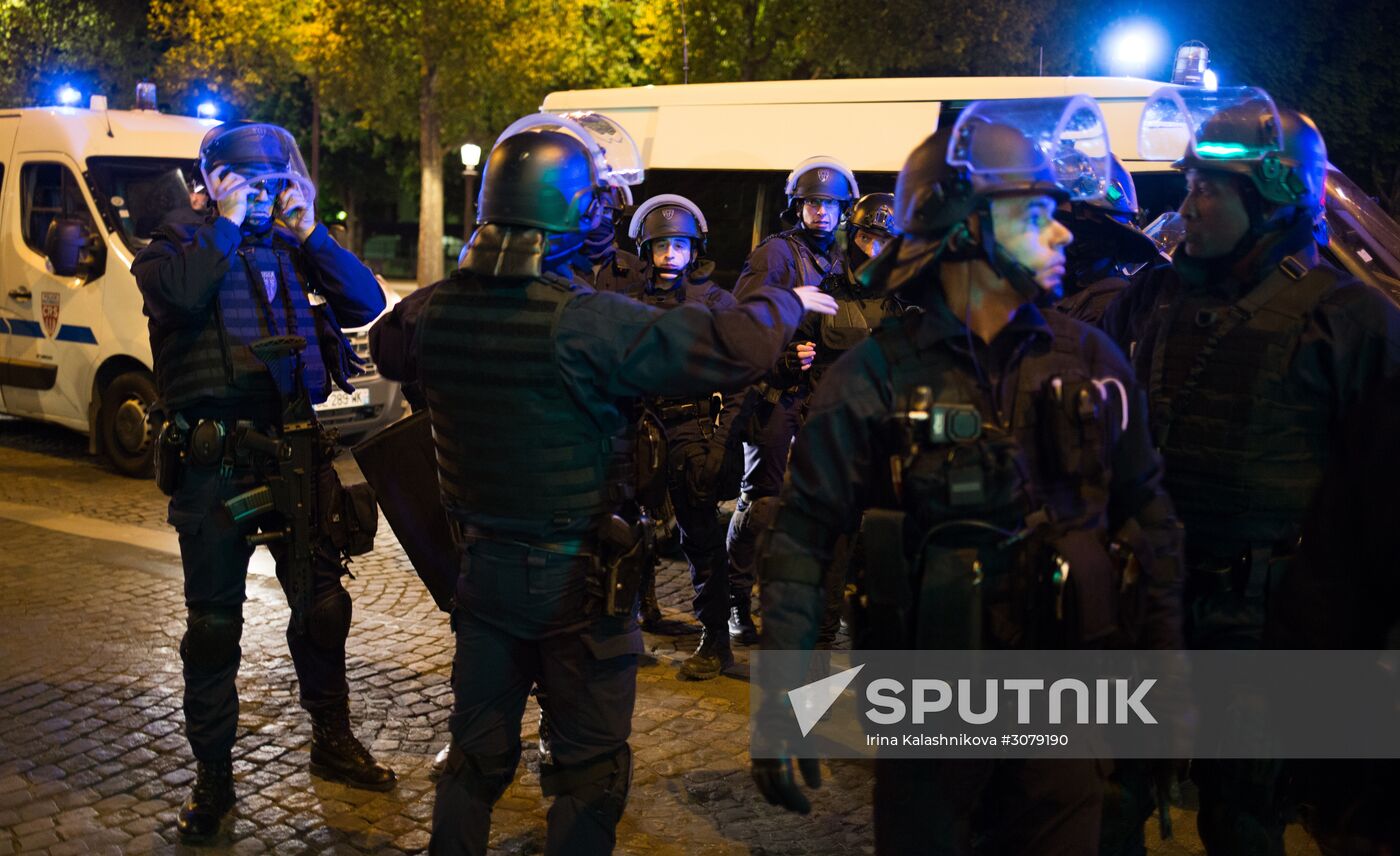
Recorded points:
(668,213)
(824,175)
(49,308)
(270,284)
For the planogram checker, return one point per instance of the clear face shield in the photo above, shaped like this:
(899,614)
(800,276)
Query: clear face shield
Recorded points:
(613,149)
(264,158)
(1234,124)
(1068,135)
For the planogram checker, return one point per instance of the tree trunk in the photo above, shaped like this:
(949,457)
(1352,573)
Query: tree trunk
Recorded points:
(430,155)
(315,132)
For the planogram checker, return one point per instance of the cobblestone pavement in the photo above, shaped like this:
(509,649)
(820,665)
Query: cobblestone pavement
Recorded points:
(92,752)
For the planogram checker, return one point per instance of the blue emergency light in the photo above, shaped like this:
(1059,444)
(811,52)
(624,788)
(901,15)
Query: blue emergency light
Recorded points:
(68,96)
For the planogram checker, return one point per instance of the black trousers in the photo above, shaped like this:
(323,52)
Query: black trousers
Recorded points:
(1008,807)
(692,493)
(765,463)
(587,677)
(214,552)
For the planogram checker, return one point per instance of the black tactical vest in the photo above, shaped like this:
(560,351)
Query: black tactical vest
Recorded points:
(213,364)
(985,519)
(511,440)
(1243,442)
(853,322)
(812,268)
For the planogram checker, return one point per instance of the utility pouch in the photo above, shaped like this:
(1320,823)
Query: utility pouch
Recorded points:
(168,456)
(626,556)
(1085,582)
(882,605)
(650,461)
(350,517)
(949,600)
(1073,413)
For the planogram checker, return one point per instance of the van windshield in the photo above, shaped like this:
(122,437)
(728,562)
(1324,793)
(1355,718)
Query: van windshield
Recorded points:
(139,194)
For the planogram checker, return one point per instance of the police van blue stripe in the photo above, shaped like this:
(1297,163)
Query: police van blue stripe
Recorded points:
(4,328)
(21,327)
(74,333)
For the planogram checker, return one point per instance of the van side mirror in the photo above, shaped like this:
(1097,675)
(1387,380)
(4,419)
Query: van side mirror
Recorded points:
(69,249)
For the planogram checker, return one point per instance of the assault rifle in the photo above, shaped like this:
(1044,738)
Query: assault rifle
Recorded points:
(290,490)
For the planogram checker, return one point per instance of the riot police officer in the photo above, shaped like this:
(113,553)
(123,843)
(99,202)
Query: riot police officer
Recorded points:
(1252,350)
(1038,405)
(526,375)
(1108,247)
(608,267)
(819,192)
(859,312)
(670,232)
(213,290)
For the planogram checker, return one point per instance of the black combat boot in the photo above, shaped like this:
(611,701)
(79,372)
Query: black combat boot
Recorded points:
(741,626)
(210,800)
(712,657)
(336,754)
(651,610)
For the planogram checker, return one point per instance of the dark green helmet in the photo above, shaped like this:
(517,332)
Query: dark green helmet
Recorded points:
(1288,168)
(541,179)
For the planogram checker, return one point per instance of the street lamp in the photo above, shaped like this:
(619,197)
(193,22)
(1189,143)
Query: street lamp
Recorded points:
(471,156)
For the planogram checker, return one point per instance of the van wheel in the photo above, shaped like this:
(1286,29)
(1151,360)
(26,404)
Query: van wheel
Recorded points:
(126,436)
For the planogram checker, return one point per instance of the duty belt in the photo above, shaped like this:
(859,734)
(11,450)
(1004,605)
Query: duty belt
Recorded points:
(467,534)
(1246,575)
(671,410)
(207,442)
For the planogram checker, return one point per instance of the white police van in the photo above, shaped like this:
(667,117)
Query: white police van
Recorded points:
(81,191)
(730,146)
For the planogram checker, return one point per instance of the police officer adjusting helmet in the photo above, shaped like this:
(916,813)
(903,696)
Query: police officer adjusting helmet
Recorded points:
(668,216)
(820,177)
(264,156)
(550,172)
(1240,130)
(1055,147)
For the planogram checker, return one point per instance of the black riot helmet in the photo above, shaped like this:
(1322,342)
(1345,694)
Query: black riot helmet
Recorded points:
(933,197)
(873,212)
(1107,227)
(819,177)
(1238,130)
(541,179)
(1292,174)
(668,216)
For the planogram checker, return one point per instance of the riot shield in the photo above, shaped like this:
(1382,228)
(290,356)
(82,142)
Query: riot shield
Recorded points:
(401,466)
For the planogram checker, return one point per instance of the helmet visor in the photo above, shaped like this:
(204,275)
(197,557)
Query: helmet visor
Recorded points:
(1238,123)
(1069,135)
(614,152)
(263,158)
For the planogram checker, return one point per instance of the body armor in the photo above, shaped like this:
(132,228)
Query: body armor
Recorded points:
(511,440)
(1243,443)
(263,294)
(1000,528)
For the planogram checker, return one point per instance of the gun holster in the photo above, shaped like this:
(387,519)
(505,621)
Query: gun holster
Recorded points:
(168,454)
(625,558)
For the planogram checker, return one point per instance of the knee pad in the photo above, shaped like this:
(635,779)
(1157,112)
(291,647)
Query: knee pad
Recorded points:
(601,784)
(485,777)
(329,620)
(211,639)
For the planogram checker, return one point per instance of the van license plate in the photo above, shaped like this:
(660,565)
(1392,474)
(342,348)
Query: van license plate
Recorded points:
(339,400)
